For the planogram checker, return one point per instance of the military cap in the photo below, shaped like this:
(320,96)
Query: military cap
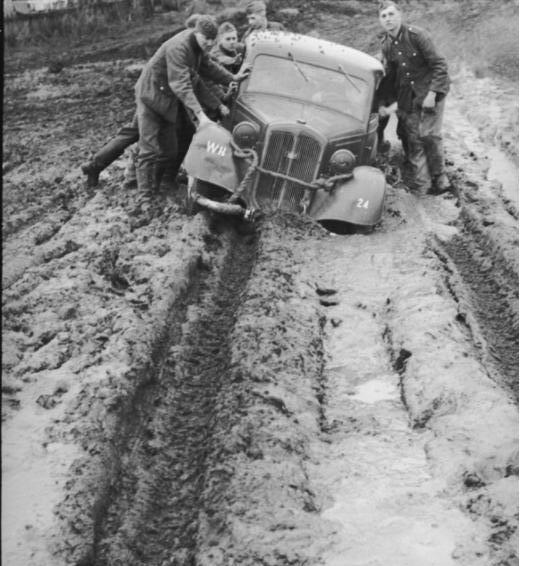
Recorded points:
(256,7)
(207,26)
(384,4)
(192,20)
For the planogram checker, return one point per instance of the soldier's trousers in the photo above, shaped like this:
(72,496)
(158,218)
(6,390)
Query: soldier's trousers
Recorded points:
(112,150)
(423,132)
(162,144)
(400,133)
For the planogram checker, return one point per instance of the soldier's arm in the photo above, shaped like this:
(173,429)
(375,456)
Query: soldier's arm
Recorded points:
(208,94)
(435,61)
(215,72)
(222,59)
(179,77)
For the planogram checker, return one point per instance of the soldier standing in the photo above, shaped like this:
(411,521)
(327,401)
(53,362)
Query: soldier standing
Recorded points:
(422,82)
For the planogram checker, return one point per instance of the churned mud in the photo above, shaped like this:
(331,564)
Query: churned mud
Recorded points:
(187,390)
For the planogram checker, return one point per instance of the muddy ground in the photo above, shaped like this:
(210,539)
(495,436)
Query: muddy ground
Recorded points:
(179,390)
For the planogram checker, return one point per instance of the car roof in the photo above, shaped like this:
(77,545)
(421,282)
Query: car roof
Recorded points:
(310,50)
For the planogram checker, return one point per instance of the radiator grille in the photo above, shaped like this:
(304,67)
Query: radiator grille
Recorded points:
(295,155)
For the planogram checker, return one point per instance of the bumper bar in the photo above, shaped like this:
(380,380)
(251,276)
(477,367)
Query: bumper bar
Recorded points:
(224,207)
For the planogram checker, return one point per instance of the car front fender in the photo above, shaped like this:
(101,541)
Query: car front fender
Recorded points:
(358,200)
(210,157)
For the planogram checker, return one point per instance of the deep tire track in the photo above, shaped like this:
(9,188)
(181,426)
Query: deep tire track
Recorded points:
(154,516)
(482,288)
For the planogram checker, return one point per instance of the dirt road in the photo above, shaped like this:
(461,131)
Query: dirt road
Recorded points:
(179,391)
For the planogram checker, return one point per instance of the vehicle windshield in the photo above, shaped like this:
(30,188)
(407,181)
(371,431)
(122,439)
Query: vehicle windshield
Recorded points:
(330,88)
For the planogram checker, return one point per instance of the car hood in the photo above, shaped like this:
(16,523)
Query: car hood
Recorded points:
(326,121)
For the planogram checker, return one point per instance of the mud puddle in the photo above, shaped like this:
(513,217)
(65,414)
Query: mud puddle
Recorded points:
(374,469)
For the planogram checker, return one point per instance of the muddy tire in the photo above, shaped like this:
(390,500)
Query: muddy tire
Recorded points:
(345,228)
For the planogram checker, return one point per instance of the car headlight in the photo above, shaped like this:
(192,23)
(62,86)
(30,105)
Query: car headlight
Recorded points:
(246,134)
(342,161)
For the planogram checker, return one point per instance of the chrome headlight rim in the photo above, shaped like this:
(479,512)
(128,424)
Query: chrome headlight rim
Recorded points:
(248,139)
(342,161)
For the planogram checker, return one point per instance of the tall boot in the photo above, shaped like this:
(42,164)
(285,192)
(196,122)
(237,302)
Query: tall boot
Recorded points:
(146,178)
(169,179)
(158,173)
(147,189)
(102,159)
(112,150)
(130,172)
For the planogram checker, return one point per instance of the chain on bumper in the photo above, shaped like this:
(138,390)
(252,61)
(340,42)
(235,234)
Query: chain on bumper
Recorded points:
(230,207)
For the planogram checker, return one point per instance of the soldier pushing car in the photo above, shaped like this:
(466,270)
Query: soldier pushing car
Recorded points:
(213,97)
(165,94)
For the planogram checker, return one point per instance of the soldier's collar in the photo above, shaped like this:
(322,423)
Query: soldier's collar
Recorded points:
(230,52)
(400,32)
(193,41)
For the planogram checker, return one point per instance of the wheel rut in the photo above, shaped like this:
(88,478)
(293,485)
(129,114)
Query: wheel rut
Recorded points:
(488,305)
(153,513)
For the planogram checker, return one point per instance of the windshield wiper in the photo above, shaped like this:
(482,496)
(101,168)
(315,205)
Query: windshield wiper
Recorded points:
(298,67)
(350,79)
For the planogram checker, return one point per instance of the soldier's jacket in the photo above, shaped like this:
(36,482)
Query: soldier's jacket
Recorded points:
(386,92)
(414,66)
(227,59)
(174,72)
(211,94)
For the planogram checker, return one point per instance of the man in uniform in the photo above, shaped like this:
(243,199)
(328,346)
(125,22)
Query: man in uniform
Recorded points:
(165,95)
(422,82)
(227,50)
(114,148)
(256,13)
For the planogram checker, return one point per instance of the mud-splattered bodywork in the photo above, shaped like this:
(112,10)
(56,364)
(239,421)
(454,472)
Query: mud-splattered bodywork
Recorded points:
(302,133)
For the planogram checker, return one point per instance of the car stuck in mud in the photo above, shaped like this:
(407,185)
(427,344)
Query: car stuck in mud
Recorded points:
(301,136)
(179,390)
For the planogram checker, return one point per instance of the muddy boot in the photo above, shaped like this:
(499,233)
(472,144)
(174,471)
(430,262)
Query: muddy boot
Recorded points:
(147,188)
(92,172)
(102,159)
(440,185)
(130,173)
(169,184)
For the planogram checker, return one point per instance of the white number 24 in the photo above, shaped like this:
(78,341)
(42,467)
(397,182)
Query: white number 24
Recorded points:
(361,203)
